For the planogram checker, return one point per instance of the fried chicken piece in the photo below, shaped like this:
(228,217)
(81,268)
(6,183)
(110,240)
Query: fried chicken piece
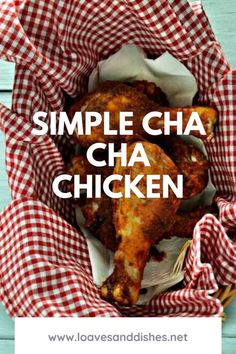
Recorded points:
(185,222)
(116,97)
(99,220)
(208,116)
(139,223)
(151,90)
(98,213)
(81,166)
(191,162)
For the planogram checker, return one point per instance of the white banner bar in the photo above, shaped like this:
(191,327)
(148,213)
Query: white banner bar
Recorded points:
(89,335)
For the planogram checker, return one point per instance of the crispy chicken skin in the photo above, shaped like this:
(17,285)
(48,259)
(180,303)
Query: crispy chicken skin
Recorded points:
(99,220)
(80,166)
(151,90)
(113,97)
(130,227)
(191,163)
(139,223)
(98,214)
(185,222)
(116,97)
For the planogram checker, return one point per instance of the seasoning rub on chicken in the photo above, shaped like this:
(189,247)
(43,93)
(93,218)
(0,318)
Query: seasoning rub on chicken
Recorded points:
(138,223)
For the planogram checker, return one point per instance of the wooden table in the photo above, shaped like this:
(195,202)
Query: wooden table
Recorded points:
(222,15)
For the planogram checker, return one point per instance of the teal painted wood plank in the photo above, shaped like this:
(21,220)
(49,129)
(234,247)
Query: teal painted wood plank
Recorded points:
(7,347)
(4,190)
(229,346)
(3,184)
(6,325)
(5,98)
(229,327)
(6,75)
(5,194)
(5,200)
(222,16)
(2,138)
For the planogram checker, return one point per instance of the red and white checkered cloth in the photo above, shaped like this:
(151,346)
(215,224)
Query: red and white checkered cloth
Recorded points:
(44,263)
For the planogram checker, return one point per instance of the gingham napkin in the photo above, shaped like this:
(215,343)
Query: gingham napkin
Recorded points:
(44,264)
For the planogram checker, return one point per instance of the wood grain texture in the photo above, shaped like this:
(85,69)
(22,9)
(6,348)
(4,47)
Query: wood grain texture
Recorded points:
(6,75)
(5,98)
(5,195)
(229,326)
(6,325)
(7,346)
(222,16)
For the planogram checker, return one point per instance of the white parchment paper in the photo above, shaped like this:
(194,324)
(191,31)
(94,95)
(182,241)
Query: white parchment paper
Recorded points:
(128,64)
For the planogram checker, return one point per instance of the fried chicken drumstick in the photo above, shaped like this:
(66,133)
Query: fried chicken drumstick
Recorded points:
(139,223)
(116,97)
(98,214)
